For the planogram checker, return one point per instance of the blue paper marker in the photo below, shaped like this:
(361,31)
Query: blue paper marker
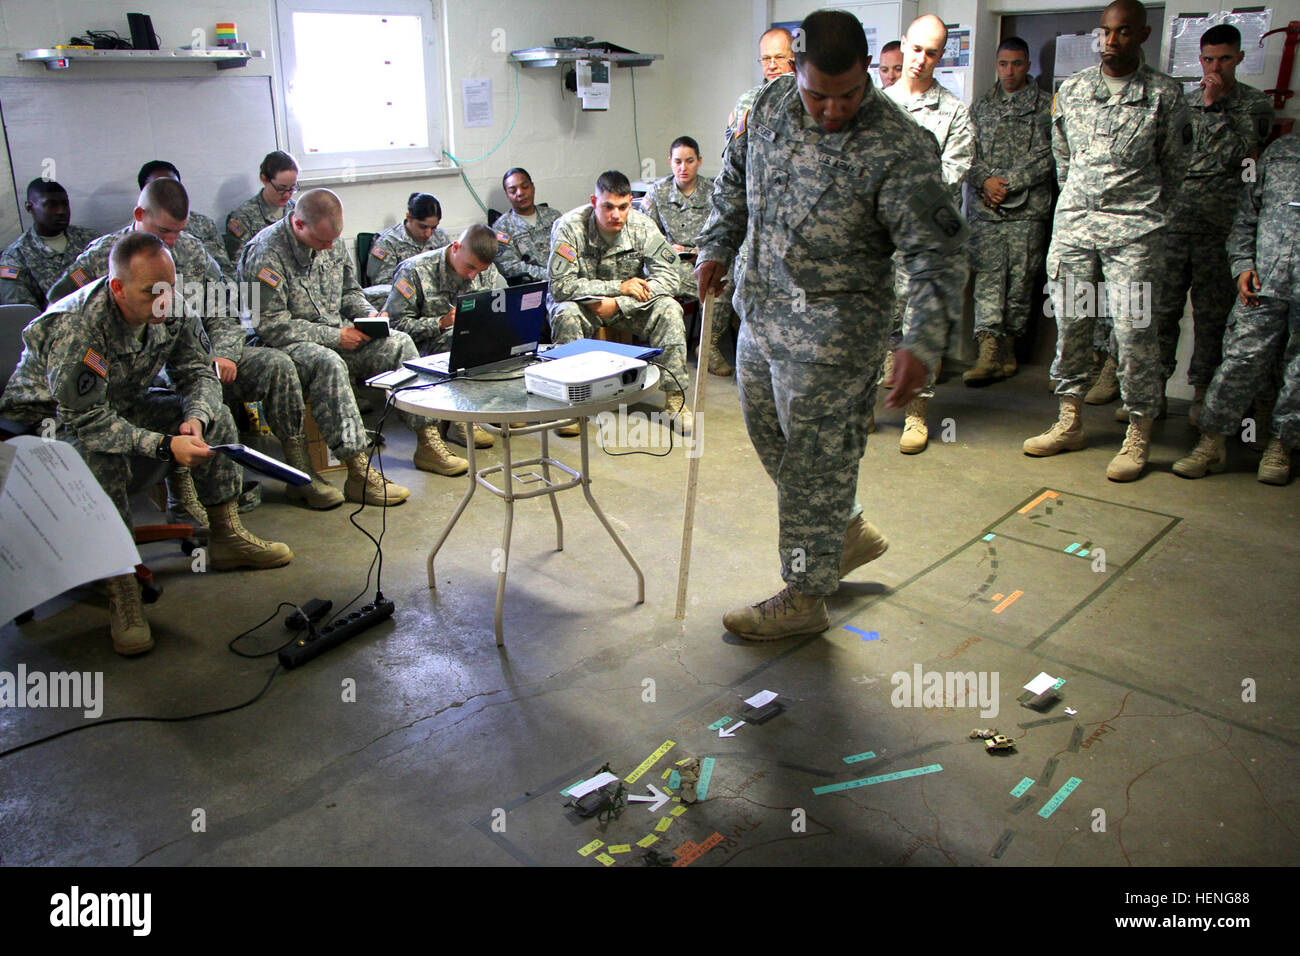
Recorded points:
(1022,786)
(856,758)
(1059,797)
(882,778)
(1071,548)
(719,723)
(706,774)
(989,537)
(866,635)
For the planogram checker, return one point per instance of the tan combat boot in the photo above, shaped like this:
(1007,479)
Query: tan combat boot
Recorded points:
(127,622)
(683,420)
(432,455)
(915,433)
(1007,355)
(718,365)
(1209,455)
(1132,458)
(456,435)
(1106,389)
(1275,466)
(1065,435)
(786,614)
(863,542)
(887,376)
(987,368)
(569,431)
(320,494)
(187,509)
(366,485)
(231,545)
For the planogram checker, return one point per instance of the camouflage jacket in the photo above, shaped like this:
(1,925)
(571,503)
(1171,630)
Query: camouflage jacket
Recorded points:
(680,218)
(1120,159)
(394,246)
(28,267)
(83,364)
(1013,141)
(426,288)
(522,249)
(584,263)
(822,213)
(306,296)
(248,219)
(1265,235)
(205,231)
(947,118)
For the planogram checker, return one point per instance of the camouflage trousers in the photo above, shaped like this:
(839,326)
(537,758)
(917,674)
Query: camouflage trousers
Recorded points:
(1074,276)
(659,321)
(1198,263)
(1006,258)
(218,479)
(1256,336)
(268,376)
(896,334)
(326,375)
(808,424)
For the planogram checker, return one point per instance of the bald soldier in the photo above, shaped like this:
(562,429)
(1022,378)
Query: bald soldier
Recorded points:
(89,361)
(199,226)
(1121,135)
(309,294)
(34,261)
(922,98)
(248,373)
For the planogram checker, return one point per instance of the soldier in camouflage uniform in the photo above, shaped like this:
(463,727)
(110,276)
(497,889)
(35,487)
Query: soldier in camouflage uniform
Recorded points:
(679,205)
(248,373)
(1230,122)
(1011,200)
(776,56)
(1121,135)
(1264,253)
(88,363)
(616,253)
(309,293)
(199,226)
(423,300)
(415,234)
(523,233)
(818,150)
(279,175)
(931,106)
(34,261)
(890,66)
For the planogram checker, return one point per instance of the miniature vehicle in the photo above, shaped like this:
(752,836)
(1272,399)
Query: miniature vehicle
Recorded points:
(1000,742)
(983,733)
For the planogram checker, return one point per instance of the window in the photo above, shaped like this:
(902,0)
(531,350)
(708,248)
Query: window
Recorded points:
(361,90)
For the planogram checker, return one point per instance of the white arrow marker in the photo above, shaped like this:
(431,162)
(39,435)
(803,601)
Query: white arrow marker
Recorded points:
(730,731)
(656,799)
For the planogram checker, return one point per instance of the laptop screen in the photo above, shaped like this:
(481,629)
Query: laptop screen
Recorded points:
(497,324)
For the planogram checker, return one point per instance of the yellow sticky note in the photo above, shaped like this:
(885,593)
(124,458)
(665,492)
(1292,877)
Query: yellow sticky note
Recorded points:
(591,847)
(605,858)
(621,848)
(647,840)
(650,761)
(668,772)
(664,824)
(677,811)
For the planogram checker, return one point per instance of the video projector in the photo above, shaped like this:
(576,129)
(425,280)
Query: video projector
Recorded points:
(591,376)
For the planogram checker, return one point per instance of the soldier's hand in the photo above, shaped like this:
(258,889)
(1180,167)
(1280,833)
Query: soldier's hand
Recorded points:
(1247,286)
(352,338)
(995,190)
(709,277)
(226,370)
(678,247)
(909,379)
(189,450)
(606,308)
(447,320)
(636,287)
(1211,88)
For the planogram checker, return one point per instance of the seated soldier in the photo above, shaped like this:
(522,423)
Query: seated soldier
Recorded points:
(89,362)
(680,205)
(279,176)
(425,289)
(417,233)
(248,373)
(614,258)
(524,232)
(34,261)
(199,226)
(309,294)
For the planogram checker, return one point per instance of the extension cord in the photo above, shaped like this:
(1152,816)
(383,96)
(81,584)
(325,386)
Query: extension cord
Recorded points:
(335,633)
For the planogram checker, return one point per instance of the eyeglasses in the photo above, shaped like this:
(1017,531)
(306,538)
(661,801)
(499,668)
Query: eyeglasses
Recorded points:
(775,59)
(285,190)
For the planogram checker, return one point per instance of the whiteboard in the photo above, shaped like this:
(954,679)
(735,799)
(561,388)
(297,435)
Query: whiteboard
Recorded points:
(96,134)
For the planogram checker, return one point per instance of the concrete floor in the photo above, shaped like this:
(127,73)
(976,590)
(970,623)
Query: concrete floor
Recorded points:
(454,752)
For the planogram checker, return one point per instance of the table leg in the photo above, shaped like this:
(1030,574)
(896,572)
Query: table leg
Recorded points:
(455,515)
(501,562)
(555,505)
(586,490)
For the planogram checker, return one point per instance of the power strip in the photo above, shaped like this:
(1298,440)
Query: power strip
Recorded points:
(335,633)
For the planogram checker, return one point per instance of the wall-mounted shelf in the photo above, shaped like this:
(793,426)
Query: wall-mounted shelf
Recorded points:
(544,56)
(62,59)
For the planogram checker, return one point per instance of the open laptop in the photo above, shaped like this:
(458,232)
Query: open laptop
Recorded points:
(491,327)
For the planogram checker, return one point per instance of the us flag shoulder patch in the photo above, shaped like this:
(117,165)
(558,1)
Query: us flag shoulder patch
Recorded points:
(8,272)
(80,278)
(96,361)
(404,287)
(237,227)
(379,253)
(566,251)
(503,238)
(270,277)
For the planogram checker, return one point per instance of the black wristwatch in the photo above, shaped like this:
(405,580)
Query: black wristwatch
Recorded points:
(165,449)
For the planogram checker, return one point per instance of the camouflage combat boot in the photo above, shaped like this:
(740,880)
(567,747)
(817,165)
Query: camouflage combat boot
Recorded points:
(718,365)
(1106,389)
(786,614)
(1275,466)
(456,434)
(916,435)
(1132,458)
(683,420)
(183,503)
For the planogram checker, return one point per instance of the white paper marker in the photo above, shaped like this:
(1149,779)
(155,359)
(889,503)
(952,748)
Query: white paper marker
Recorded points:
(656,799)
(595,783)
(1040,684)
(761,698)
(730,731)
